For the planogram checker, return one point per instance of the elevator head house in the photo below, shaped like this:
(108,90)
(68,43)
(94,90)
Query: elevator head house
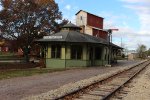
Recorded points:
(71,48)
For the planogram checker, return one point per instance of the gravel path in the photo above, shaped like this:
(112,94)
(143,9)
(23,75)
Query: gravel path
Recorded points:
(140,87)
(17,88)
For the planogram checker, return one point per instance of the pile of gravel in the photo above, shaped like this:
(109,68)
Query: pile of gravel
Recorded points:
(71,87)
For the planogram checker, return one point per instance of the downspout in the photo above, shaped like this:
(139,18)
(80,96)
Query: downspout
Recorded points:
(109,59)
(87,52)
(111,52)
(45,54)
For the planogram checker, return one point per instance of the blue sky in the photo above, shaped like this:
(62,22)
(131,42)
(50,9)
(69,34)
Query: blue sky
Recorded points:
(131,17)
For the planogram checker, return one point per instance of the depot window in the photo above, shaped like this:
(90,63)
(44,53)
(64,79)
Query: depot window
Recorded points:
(56,51)
(98,53)
(76,52)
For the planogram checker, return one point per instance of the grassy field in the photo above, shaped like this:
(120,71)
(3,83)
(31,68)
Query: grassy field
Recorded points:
(6,74)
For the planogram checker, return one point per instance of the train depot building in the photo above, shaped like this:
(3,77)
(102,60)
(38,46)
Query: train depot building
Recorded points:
(72,47)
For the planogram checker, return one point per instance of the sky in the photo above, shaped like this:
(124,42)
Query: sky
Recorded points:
(131,17)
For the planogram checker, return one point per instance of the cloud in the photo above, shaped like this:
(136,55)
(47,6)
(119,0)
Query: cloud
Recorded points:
(61,1)
(139,8)
(69,11)
(142,11)
(136,1)
(68,7)
(130,37)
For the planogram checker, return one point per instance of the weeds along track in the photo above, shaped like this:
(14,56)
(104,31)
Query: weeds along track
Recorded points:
(105,89)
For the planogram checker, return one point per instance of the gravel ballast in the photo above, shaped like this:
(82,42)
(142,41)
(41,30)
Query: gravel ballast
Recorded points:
(71,87)
(140,87)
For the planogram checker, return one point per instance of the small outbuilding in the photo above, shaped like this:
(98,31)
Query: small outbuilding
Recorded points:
(133,56)
(70,48)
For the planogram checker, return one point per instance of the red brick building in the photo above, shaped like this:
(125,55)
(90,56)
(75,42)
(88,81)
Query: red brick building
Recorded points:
(91,24)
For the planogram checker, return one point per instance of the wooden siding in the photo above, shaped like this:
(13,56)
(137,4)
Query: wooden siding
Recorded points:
(94,21)
(100,33)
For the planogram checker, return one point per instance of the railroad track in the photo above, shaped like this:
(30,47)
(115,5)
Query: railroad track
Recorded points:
(106,88)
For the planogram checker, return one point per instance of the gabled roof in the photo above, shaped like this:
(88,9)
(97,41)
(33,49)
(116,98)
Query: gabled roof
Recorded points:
(88,13)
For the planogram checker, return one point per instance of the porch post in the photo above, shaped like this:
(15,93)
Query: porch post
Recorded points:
(84,52)
(49,51)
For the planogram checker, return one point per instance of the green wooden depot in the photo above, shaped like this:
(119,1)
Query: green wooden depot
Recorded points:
(70,48)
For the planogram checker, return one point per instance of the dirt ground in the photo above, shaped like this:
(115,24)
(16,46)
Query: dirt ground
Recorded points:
(17,88)
(140,87)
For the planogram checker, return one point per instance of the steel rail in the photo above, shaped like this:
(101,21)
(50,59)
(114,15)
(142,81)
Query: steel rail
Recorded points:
(81,89)
(117,89)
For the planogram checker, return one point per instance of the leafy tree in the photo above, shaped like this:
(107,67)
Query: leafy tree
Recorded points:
(141,50)
(27,20)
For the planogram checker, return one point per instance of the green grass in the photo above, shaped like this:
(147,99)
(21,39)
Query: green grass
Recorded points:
(6,74)
(6,54)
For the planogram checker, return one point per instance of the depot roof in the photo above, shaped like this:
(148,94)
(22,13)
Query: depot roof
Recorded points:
(73,36)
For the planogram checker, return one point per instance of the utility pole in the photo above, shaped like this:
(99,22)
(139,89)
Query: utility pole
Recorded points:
(109,58)
(121,42)
(109,31)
